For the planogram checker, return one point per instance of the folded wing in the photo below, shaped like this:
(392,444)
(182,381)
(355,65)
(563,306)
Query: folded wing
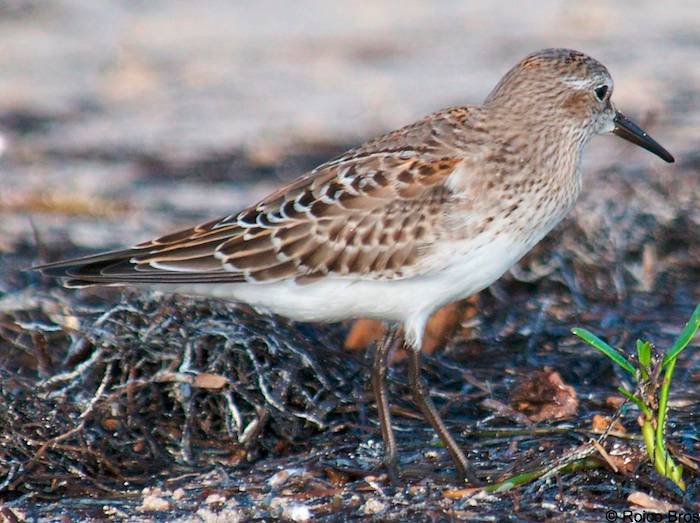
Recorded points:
(367,214)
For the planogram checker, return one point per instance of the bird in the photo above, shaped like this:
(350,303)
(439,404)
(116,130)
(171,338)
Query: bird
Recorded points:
(401,225)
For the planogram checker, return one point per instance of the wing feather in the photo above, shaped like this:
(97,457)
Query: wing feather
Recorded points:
(367,214)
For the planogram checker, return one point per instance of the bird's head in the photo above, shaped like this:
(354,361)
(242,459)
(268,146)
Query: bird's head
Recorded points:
(570,90)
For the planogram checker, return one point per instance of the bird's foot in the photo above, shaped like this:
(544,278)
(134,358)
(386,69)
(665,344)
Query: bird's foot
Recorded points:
(391,468)
(466,475)
(392,472)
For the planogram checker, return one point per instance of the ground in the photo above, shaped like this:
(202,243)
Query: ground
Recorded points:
(120,123)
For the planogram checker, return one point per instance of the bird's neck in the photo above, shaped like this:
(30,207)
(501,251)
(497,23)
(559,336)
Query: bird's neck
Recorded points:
(539,141)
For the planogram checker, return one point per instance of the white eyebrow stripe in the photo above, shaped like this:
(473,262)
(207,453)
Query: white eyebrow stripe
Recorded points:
(578,84)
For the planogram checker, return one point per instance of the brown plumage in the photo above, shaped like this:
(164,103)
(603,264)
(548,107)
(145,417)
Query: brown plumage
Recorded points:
(366,213)
(403,224)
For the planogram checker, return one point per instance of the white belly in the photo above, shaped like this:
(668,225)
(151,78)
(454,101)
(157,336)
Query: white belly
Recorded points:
(460,270)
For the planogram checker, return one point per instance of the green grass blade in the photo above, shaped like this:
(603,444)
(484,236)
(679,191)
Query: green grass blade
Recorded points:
(685,337)
(644,352)
(644,357)
(595,342)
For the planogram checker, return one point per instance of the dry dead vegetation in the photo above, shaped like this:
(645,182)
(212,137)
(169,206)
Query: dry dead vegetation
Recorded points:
(119,405)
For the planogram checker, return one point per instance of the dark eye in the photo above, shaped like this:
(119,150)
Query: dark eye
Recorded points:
(600,92)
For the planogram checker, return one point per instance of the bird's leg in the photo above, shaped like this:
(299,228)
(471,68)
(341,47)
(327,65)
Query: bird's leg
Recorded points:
(379,371)
(431,414)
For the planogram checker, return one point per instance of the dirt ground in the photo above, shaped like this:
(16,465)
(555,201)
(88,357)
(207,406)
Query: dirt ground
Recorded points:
(122,121)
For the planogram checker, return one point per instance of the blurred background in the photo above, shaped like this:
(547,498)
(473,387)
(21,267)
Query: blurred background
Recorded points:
(117,118)
(120,121)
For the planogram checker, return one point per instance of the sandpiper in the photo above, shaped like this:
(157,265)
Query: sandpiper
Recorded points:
(401,225)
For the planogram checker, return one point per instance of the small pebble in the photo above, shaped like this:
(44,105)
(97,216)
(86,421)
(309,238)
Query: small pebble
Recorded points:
(153,503)
(224,516)
(297,512)
(290,510)
(213,499)
(373,506)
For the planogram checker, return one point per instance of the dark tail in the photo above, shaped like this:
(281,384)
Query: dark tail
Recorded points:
(91,270)
(121,267)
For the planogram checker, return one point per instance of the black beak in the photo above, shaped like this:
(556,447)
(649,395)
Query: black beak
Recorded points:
(630,131)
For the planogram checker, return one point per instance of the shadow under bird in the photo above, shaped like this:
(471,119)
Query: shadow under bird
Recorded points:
(394,229)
